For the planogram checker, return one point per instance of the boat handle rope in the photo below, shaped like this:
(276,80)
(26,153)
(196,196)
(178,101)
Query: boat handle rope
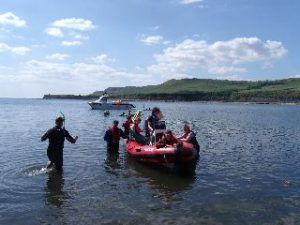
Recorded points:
(165,158)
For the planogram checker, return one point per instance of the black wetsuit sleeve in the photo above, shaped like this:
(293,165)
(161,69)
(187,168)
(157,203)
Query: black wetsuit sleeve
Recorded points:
(46,135)
(191,136)
(69,137)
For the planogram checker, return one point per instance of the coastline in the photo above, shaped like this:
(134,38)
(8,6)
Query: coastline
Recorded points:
(286,91)
(92,97)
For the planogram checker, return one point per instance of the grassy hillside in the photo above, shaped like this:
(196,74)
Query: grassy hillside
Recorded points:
(287,90)
(219,90)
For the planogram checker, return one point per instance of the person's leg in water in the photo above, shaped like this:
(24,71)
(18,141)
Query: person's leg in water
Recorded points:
(49,165)
(59,161)
(51,158)
(113,147)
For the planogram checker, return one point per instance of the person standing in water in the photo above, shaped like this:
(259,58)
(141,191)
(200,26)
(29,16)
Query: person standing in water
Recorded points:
(112,137)
(57,136)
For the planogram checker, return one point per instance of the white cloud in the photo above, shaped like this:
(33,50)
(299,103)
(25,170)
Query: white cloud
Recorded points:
(152,40)
(36,78)
(11,19)
(231,77)
(58,56)
(267,65)
(38,46)
(155,28)
(187,2)
(294,76)
(55,32)
(20,50)
(221,57)
(226,70)
(103,58)
(80,37)
(15,50)
(70,43)
(74,23)
(167,42)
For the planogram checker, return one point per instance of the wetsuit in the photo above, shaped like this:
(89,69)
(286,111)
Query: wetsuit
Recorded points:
(112,137)
(57,138)
(135,132)
(191,138)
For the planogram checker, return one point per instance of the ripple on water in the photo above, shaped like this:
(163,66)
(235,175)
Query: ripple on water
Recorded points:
(247,152)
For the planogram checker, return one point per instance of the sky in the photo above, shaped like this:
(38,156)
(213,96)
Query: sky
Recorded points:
(78,47)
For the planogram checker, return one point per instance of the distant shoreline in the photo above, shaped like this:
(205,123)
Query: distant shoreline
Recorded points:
(90,98)
(286,91)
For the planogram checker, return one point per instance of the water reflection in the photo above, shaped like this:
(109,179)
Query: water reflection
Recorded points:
(167,182)
(54,189)
(112,163)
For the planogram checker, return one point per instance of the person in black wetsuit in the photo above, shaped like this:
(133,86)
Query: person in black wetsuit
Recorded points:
(112,137)
(57,136)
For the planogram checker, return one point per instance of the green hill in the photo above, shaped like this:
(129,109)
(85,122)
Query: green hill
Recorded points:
(287,90)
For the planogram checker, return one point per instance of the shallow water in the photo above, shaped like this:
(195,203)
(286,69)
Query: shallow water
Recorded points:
(248,171)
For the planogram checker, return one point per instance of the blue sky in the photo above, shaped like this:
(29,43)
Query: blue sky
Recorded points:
(79,47)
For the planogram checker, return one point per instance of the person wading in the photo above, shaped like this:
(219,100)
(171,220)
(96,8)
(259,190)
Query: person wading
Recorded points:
(57,136)
(112,137)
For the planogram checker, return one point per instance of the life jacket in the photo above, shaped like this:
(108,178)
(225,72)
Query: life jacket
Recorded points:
(115,134)
(126,126)
(135,128)
(171,141)
(185,135)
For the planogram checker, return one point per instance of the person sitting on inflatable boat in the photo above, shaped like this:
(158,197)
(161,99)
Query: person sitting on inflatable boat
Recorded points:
(167,139)
(112,137)
(189,136)
(135,130)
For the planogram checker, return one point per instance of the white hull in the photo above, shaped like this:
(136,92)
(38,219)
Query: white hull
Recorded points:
(110,106)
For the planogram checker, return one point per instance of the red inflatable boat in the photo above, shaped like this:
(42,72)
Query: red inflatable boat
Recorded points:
(161,156)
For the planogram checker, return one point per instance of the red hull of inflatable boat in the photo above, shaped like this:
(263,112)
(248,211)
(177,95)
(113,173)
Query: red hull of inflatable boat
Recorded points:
(160,156)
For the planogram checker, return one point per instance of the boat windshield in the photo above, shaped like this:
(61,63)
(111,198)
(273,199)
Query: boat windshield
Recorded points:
(103,98)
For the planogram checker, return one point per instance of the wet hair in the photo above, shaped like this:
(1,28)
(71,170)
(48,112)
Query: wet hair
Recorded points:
(116,122)
(169,132)
(186,126)
(59,120)
(155,110)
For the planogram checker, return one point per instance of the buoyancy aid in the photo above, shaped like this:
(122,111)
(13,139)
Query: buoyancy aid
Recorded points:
(126,126)
(171,141)
(186,134)
(135,127)
(115,134)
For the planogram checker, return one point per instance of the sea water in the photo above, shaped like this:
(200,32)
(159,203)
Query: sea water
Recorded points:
(248,171)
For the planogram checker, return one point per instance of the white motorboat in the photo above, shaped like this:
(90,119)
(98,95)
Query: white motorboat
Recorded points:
(103,104)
